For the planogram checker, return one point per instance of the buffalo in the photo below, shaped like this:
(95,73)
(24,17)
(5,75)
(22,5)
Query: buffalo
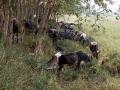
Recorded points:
(15,29)
(75,59)
(94,49)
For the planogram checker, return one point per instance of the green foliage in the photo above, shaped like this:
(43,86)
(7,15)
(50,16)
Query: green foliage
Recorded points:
(41,83)
(68,6)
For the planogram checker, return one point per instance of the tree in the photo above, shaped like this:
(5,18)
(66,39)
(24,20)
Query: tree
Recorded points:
(47,9)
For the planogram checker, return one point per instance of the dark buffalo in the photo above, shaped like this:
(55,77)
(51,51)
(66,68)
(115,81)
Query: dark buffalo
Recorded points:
(76,59)
(67,27)
(15,29)
(53,33)
(66,35)
(30,26)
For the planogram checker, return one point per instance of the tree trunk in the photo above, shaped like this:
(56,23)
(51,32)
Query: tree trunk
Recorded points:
(47,12)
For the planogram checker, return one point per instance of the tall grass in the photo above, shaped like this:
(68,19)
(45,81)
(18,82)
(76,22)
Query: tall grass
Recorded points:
(21,71)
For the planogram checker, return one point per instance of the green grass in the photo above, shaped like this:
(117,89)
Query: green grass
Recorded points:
(21,71)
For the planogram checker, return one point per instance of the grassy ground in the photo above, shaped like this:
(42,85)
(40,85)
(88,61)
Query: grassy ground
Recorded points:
(21,71)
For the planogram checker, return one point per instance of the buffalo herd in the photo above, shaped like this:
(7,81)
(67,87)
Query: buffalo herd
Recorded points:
(75,58)
(60,31)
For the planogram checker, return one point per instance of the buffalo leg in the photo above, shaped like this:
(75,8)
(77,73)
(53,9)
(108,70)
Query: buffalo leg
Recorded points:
(77,66)
(59,69)
(96,55)
(17,37)
(13,38)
